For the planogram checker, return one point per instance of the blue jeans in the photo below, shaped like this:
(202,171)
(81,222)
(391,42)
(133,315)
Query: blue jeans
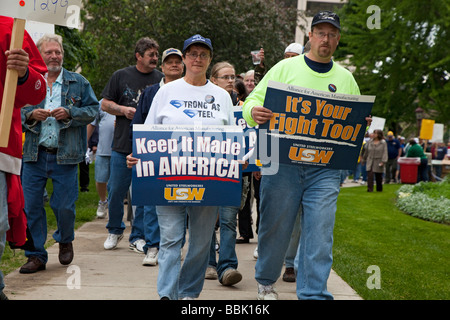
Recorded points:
(315,190)
(227,254)
(118,186)
(62,201)
(291,252)
(145,226)
(175,281)
(4,225)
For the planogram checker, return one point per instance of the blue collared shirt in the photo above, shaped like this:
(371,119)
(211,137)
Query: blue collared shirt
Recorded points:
(50,127)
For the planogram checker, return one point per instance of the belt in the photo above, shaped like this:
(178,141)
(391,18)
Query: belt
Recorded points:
(48,150)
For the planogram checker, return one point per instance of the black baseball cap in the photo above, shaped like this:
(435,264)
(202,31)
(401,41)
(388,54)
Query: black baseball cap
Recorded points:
(327,17)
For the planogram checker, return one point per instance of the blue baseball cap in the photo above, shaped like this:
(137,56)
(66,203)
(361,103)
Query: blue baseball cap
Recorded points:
(197,39)
(327,17)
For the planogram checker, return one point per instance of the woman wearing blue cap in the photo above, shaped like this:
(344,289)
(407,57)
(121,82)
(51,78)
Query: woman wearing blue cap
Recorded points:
(183,102)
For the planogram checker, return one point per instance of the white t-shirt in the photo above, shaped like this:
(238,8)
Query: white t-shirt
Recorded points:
(178,102)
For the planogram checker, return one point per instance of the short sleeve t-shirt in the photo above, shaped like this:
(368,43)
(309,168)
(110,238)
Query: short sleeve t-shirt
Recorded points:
(178,102)
(125,88)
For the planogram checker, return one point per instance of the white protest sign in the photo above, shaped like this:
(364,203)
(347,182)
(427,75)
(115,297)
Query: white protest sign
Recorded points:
(36,30)
(377,123)
(438,133)
(60,12)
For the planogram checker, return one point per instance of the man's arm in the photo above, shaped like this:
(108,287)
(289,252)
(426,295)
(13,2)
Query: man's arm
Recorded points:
(117,110)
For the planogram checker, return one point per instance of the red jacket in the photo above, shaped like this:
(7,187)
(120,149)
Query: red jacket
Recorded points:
(32,91)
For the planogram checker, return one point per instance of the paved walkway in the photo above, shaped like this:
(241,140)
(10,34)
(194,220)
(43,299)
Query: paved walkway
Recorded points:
(98,274)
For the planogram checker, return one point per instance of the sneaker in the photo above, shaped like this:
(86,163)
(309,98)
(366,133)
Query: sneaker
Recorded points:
(151,258)
(231,277)
(112,241)
(138,246)
(267,292)
(188,298)
(102,209)
(255,253)
(211,273)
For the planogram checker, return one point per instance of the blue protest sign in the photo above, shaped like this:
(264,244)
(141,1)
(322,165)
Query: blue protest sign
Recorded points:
(187,165)
(250,141)
(312,127)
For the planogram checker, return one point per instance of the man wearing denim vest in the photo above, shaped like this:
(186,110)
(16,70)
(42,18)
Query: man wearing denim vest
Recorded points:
(55,143)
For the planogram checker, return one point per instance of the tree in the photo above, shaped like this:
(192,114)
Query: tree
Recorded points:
(405,62)
(235,28)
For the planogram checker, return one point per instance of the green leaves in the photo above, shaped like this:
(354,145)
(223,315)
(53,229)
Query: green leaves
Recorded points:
(405,63)
(235,28)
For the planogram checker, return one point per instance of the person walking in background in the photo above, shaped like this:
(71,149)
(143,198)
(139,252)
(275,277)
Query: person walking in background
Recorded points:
(375,157)
(120,98)
(394,149)
(172,66)
(415,150)
(55,143)
(104,122)
(30,68)
(225,269)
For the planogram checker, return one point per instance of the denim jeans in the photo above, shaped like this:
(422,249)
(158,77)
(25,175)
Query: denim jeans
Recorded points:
(118,185)
(145,226)
(62,201)
(4,226)
(174,281)
(315,190)
(291,252)
(227,253)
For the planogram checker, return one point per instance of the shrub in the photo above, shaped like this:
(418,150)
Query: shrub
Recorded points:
(426,200)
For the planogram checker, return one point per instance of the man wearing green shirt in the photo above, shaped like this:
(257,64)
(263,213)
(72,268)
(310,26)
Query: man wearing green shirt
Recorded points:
(314,189)
(416,151)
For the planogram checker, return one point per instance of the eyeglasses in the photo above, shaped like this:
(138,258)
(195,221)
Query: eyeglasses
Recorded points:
(227,77)
(193,56)
(322,35)
(153,54)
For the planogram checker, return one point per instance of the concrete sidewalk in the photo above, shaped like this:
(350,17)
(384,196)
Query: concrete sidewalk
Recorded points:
(98,274)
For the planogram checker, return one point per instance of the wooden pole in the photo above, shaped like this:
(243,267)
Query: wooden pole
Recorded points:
(9,93)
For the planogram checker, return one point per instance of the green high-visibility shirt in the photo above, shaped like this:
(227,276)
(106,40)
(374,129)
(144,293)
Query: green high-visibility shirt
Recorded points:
(295,71)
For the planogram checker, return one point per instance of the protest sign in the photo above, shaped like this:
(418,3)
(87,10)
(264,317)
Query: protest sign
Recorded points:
(250,140)
(60,12)
(313,127)
(377,123)
(187,165)
(438,133)
(426,129)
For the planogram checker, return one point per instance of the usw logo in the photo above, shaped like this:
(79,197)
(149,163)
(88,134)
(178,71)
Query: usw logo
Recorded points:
(184,193)
(310,155)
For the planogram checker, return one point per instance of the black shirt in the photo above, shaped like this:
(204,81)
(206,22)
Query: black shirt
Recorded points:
(125,88)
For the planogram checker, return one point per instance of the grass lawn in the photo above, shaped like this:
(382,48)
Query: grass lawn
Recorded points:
(86,208)
(413,255)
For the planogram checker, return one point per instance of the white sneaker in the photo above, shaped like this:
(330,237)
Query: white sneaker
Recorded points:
(267,292)
(211,273)
(188,298)
(255,253)
(112,241)
(151,258)
(102,209)
(138,246)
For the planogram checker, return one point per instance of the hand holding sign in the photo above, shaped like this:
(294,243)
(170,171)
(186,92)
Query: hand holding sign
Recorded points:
(17,59)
